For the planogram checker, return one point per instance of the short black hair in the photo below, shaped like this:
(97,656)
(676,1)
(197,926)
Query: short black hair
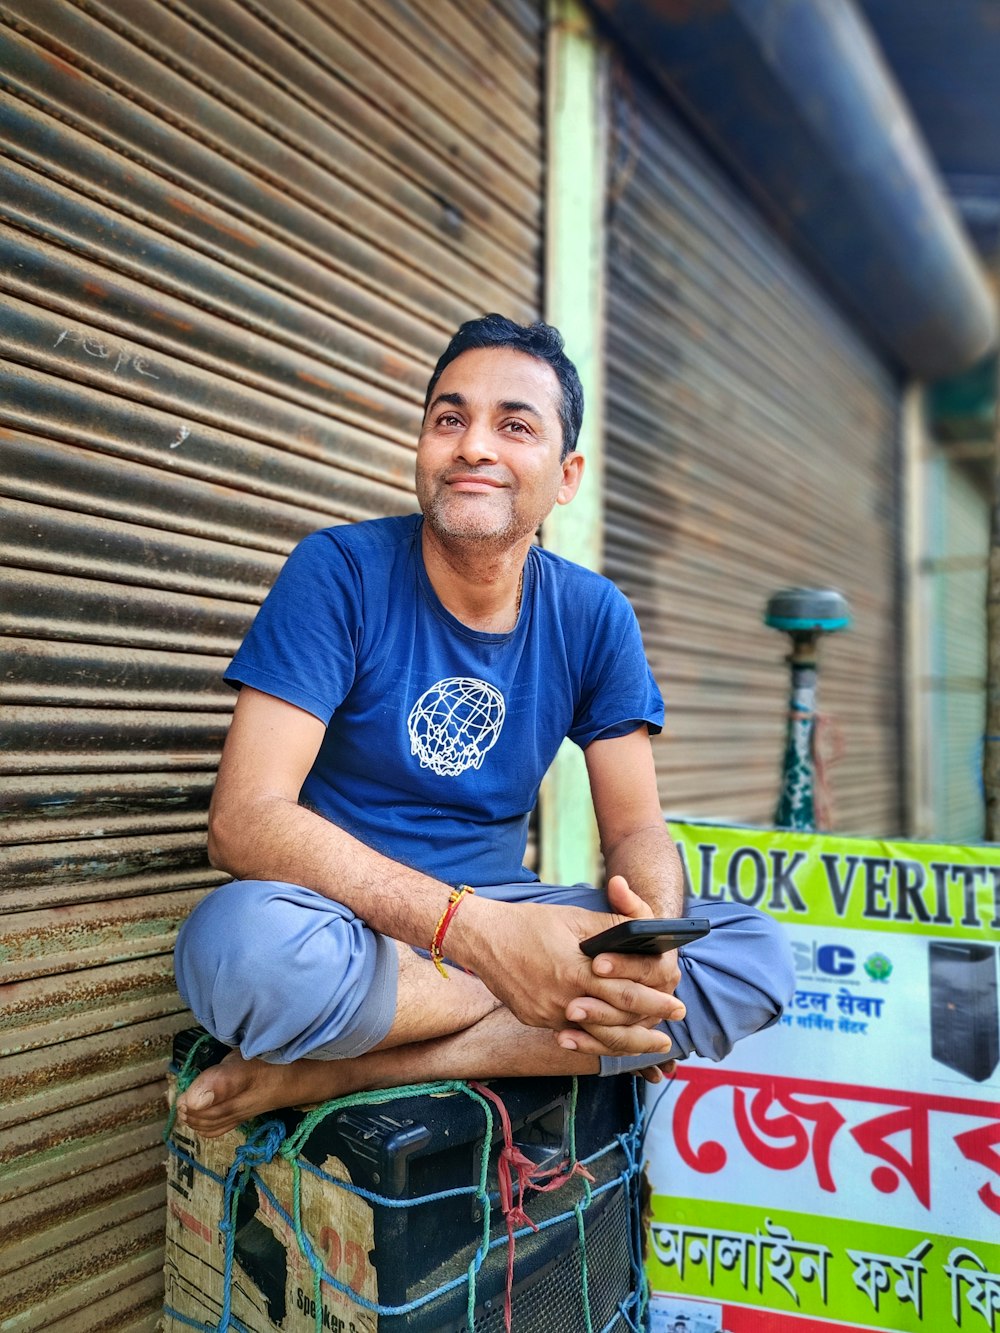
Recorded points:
(539,340)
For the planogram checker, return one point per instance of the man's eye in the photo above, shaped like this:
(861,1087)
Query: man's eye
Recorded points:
(518,427)
(449,419)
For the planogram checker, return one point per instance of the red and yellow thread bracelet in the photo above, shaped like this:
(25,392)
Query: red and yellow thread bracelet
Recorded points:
(454,898)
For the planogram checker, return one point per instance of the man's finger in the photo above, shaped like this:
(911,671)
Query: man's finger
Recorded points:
(633,998)
(624,902)
(616,1041)
(588,1011)
(657,970)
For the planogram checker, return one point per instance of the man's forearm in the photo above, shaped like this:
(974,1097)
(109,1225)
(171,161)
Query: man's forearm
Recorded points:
(649,860)
(275,838)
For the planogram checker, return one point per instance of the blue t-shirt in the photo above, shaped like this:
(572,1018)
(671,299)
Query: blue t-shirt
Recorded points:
(438,735)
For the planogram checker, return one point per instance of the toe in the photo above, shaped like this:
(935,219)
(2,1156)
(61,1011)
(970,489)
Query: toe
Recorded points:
(199,1098)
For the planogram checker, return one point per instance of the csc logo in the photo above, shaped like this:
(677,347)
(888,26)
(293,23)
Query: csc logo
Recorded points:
(832,960)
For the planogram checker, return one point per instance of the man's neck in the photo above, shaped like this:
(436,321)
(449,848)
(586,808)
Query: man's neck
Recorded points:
(480,585)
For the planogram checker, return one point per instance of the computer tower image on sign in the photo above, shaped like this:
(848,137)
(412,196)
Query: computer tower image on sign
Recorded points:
(965,1020)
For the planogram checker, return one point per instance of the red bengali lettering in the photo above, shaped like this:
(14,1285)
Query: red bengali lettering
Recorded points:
(710,1156)
(826,1119)
(772,1121)
(872,1137)
(779,1157)
(976,1145)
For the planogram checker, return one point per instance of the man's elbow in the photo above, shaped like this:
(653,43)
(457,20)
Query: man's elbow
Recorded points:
(222,849)
(215,856)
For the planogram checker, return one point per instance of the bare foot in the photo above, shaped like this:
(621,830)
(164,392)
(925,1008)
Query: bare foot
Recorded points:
(227,1094)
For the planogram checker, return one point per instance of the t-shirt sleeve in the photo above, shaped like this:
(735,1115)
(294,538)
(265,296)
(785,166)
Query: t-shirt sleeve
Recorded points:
(619,693)
(303,644)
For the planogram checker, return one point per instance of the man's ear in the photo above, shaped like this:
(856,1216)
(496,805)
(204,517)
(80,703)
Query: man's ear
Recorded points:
(572,472)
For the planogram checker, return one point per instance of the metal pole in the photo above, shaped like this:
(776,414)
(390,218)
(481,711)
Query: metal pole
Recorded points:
(805,614)
(796,801)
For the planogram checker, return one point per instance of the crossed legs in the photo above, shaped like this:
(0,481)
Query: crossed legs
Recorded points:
(319,1007)
(444,1028)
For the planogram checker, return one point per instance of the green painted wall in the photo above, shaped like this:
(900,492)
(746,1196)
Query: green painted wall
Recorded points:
(958,548)
(574,275)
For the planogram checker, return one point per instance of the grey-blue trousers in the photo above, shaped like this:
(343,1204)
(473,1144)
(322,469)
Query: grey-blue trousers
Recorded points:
(284,973)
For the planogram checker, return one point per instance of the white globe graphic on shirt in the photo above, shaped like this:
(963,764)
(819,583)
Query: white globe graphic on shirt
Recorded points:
(454,723)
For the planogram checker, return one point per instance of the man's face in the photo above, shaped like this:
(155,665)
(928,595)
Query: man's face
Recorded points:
(488,459)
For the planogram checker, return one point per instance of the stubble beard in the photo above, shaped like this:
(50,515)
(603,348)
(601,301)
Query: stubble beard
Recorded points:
(487,526)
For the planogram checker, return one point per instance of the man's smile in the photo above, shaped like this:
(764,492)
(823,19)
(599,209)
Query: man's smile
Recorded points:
(473,482)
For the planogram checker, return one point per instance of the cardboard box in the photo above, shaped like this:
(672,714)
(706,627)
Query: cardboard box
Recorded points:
(272,1282)
(419,1154)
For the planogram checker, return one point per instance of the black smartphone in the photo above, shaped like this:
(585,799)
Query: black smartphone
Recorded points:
(654,936)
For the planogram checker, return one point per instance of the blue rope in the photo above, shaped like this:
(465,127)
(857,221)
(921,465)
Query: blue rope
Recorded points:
(206,1328)
(371,1197)
(345,1290)
(229,1184)
(622,1313)
(261,1147)
(384,1202)
(267,1140)
(633,1145)
(193,1161)
(416,1304)
(183,1319)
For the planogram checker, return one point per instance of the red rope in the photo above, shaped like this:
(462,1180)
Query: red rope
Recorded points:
(515,1174)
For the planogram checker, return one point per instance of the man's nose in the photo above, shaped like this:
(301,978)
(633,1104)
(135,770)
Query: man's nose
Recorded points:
(476,445)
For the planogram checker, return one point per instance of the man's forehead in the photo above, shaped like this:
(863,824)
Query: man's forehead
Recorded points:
(497,375)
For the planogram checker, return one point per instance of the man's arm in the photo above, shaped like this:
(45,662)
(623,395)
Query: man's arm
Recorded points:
(258,830)
(529,957)
(635,840)
(640,853)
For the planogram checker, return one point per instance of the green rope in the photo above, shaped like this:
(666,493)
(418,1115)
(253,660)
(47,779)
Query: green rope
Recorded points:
(584,1274)
(470,1304)
(484,1198)
(305,1248)
(579,1209)
(573,1095)
(293,1145)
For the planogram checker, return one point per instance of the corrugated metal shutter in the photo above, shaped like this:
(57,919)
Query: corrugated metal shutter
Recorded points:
(234,239)
(958,525)
(751,446)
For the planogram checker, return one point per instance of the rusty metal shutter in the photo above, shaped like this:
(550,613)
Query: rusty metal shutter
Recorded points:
(235,237)
(752,441)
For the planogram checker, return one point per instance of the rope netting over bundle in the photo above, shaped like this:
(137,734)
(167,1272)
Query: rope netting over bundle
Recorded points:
(268,1140)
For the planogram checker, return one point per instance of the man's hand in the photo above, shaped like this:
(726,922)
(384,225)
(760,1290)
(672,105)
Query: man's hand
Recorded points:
(530,958)
(597,1025)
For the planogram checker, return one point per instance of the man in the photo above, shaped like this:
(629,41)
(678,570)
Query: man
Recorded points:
(404,688)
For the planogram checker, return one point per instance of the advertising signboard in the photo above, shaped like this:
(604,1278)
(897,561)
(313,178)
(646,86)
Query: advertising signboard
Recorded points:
(842,1169)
